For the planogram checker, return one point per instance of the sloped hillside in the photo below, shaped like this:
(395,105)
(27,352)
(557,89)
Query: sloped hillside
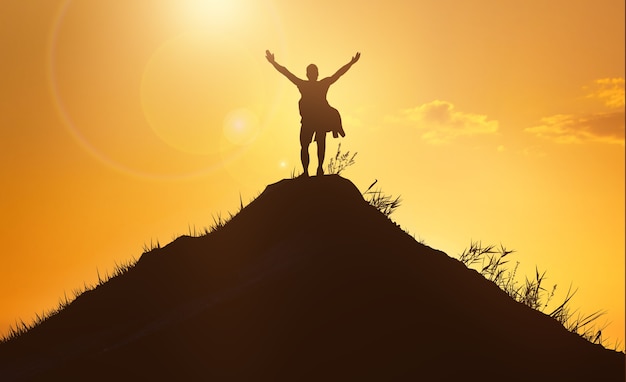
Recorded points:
(308,282)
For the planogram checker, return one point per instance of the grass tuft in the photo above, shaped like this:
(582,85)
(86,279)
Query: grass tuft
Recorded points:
(153,245)
(386,204)
(20,327)
(491,262)
(340,162)
(294,173)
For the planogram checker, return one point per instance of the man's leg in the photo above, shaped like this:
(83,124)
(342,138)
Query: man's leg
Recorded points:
(304,157)
(305,140)
(321,152)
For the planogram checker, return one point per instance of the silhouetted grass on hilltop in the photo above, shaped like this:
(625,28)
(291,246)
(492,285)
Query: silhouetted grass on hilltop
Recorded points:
(20,327)
(491,262)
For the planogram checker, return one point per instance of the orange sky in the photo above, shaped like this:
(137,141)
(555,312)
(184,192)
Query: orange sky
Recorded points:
(128,122)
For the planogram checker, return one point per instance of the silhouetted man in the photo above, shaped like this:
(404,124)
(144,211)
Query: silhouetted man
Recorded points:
(318,117)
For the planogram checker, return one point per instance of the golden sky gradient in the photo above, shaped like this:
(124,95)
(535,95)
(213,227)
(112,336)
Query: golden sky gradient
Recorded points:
(126,122)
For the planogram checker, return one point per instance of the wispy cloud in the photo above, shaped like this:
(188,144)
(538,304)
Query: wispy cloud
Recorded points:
(562,128)
(608,90)
(605,127)
(440,122)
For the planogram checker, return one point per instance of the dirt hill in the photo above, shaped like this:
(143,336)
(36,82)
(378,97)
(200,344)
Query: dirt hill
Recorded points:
(307,282)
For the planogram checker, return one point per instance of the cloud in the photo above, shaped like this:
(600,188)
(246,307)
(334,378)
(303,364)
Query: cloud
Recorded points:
(567,128)
(605,127)
(610,91)
(441,123)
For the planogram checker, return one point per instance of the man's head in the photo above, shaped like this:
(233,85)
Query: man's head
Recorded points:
(311,72)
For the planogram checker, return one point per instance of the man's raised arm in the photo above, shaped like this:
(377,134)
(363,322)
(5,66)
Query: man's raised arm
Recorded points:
(281,69)
(345,68)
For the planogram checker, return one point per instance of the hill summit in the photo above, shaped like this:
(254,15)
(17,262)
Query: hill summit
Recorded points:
(307,282)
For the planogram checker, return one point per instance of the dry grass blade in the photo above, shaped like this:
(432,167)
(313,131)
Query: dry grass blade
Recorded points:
(532,292)
(340,162)
(386,204)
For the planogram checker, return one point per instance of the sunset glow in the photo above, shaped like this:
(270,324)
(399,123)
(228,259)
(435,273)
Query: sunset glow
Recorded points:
(207,13)
(126,122)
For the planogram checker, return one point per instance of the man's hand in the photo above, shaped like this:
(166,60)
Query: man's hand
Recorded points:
(270,56)
(355,58)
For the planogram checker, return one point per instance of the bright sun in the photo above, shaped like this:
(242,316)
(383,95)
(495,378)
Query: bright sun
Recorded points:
(214,13)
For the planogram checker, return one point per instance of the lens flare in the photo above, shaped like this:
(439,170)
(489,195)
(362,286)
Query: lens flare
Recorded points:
(185,92)
(241,126)
(193,89)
